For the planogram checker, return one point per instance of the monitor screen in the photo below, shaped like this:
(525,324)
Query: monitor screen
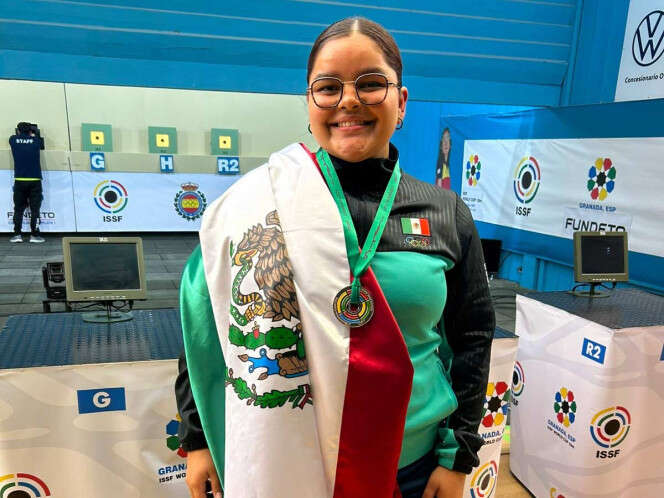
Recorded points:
(491,249)
(602,255)
(104,266)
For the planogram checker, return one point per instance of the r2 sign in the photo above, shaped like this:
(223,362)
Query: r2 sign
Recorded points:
(593,350)
(228,165)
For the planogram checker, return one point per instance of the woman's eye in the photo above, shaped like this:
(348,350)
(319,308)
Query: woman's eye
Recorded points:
(327,89)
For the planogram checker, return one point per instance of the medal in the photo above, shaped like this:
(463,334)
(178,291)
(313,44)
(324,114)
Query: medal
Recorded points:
(353,305)
(353,314)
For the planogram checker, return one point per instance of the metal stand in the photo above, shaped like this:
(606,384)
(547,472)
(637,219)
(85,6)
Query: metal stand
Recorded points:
(111,315)
(592,293)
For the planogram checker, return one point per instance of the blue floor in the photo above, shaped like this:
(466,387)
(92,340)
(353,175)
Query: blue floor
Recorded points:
(38,340)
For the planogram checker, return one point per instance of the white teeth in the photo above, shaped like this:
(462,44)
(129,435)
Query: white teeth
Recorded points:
(344,124)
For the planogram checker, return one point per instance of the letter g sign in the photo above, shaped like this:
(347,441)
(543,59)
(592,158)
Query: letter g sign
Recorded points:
(101,399)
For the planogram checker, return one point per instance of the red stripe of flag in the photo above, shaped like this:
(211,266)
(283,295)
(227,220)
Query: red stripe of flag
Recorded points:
(424,224)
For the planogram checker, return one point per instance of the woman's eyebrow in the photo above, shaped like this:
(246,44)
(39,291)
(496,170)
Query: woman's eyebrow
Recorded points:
(356,74)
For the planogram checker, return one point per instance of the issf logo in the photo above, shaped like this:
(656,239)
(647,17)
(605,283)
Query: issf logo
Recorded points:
(21,485)
(527,177)
(518,379)
(609,428)
(110,196)
(483,482)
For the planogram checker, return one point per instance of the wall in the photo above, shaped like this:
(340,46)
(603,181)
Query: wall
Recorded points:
(596,62)
(265,122)
(477,51)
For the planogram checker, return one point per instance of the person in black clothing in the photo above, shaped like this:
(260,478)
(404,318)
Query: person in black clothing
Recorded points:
(25,146)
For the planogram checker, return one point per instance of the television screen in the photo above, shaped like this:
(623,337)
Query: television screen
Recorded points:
(104,266)
(491,249)
(600,257)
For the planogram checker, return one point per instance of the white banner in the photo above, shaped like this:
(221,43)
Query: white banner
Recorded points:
(83,431)
(121,202)
(558,186)
(483,481)
(117,202)
(57,209)
(586,406)
(641,74)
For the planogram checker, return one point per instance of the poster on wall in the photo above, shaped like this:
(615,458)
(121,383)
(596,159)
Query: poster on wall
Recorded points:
(56,213)
(559,186)
(443,179)
(641,74)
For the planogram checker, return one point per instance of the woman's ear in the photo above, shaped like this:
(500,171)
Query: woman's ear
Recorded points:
(403,98)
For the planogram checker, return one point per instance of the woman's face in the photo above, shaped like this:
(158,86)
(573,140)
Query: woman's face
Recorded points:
(446,143)
(353,131)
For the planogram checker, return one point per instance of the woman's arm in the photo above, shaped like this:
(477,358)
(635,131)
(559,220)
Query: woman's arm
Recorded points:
(469,323)
(197,320)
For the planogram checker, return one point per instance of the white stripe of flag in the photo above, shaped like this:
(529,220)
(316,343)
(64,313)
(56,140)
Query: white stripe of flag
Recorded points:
(415,226)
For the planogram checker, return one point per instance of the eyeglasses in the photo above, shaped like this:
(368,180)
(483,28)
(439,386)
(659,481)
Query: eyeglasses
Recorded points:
(370,88)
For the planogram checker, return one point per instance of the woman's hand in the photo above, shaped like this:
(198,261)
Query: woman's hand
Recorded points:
(445,483)
(200,468)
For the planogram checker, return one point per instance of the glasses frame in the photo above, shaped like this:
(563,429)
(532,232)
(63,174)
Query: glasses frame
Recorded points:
(343,86)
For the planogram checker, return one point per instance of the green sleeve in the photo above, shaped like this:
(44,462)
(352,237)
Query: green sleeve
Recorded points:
(205,360)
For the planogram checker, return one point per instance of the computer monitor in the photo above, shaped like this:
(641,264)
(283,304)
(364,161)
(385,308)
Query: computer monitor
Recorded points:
(104,268)
(600,257)
(491,249)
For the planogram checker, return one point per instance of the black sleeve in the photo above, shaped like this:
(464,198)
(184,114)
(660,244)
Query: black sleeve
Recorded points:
(190,432)
(41,143)
(469,325)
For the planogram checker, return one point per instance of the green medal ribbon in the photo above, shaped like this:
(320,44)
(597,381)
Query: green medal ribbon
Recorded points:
(359,261)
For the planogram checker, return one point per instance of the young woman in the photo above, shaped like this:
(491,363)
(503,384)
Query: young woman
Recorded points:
(443,165)
(337,318)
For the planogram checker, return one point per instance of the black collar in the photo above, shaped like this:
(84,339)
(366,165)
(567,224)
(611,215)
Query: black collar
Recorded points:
(366,177)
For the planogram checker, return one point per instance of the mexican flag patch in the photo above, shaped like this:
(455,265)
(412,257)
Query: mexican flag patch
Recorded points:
(415,226)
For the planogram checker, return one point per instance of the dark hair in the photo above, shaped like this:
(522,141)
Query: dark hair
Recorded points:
(364,26)
(23,127)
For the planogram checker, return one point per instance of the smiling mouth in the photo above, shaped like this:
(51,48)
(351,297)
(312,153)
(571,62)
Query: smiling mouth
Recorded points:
(349,124)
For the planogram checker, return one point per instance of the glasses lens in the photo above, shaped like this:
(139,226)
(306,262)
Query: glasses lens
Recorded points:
(326,92)
(371,88)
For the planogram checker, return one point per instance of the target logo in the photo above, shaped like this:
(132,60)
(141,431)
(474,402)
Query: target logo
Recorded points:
(527,176)
(553,493)
(565,407)
(21,485)
(518,379)
(496,404)
(110,196)
(484,480)
(172,440)
(473,167)
(609,428)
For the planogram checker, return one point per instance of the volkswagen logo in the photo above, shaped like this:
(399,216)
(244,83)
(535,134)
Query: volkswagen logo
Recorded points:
(647,45)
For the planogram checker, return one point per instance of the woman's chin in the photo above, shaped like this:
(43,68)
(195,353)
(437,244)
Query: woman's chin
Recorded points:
(352,150)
